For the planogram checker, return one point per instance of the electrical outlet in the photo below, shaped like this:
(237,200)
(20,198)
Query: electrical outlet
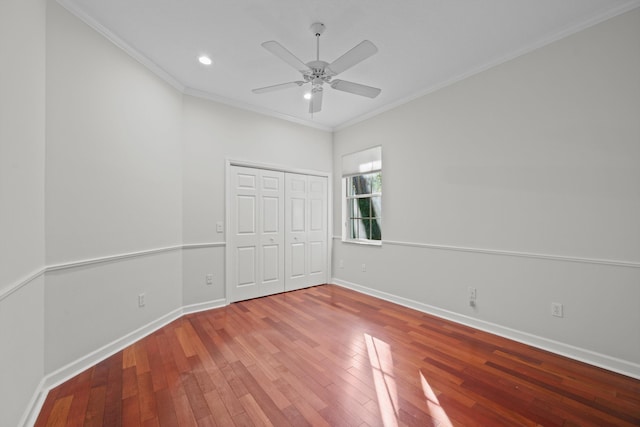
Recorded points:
(364,267)
(141,300)
(209,278)
(473,294)
(341,263)
(219,227)
(557,309)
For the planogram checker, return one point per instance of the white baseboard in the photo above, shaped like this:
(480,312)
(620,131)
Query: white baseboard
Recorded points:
(610,363)
(35,405)
(203,306)
(74,368)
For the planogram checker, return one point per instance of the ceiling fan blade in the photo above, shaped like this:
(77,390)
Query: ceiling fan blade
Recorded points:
(278,87)
(315,104)
(281,52)
(353,57)
(356,88)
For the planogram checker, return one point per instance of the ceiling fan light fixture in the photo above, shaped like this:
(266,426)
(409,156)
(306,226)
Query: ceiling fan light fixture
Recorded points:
(205,60)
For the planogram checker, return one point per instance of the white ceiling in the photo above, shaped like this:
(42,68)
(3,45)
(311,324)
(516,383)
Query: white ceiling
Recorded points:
(423,44)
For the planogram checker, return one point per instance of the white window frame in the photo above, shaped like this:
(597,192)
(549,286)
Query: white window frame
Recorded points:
(364,162)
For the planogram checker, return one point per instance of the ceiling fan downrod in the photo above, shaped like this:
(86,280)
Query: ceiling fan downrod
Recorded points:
(317,29)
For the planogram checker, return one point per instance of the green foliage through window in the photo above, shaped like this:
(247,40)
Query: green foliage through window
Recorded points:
(364,206)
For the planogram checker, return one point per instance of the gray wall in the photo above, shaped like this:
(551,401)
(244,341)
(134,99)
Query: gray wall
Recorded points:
(123,201)
(213,133)
(536,156)
(113,186)
(506,181)
(22,149)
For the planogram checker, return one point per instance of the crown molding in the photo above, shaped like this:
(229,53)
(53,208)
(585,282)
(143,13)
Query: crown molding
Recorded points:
(248,107)
(583,25)
(167,77)
(160,72)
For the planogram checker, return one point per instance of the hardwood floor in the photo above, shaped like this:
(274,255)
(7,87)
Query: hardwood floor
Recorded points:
(328,356)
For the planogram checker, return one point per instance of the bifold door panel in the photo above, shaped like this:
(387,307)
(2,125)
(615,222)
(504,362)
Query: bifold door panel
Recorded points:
(257,228)
(278,225)
(306,231)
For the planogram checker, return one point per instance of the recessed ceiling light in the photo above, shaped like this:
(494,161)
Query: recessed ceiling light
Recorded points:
(307,95)
(205,60)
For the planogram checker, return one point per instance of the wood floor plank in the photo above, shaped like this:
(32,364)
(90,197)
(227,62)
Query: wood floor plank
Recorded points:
(81,392)
(167,416)
(59,412)
(183,411)
(218,409)
(260,395)
(129,382)
(131,411)
(113,397)
(302,405)
(329,356)
(146,397)
(95,407)
(255,412)
(268,386)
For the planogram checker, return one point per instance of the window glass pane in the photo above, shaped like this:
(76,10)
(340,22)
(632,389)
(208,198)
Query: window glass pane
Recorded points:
(351,189)
(376,233)
(353,228)
(351,186)
(376,206)
(364,204)
(367,228)
(376,182)
(364,184)
(361,229)
(361,184)
(354,211)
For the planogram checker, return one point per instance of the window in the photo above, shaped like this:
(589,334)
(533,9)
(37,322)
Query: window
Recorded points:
(362,196)
(364,206)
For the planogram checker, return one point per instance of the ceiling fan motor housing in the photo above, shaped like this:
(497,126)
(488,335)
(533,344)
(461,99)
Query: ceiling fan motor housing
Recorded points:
(317,72)
(317,28)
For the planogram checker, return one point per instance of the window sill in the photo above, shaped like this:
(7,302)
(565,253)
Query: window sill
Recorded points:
(363,242)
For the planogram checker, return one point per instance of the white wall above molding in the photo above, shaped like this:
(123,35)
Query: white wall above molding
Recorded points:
(614,263)
(134,53)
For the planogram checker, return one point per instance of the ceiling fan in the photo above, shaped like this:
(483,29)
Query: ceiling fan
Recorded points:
(318,72)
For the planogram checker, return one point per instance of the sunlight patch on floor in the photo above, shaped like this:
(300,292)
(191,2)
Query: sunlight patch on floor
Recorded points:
(435,410)
(382,370)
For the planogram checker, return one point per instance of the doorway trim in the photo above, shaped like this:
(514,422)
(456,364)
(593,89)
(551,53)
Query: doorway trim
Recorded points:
(229,162)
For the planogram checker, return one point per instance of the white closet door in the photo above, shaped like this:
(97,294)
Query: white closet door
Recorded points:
(306,231)
(296,223)
(257,237)
(317,230)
